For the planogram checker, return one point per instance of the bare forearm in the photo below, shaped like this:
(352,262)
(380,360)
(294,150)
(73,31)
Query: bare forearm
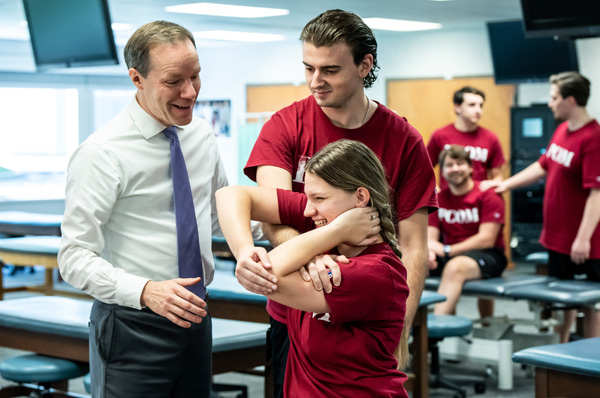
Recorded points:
(412,239)
(278,234)
(415,262)
(526,177)
(293,254)
(591,216)
(234,211)
(475,242)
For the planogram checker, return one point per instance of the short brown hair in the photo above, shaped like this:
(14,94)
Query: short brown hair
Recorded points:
(338,26)
(456,152)
(148,36)
(572,84)
(459,95)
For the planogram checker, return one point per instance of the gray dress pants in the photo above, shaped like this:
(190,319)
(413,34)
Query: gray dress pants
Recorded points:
(137,353)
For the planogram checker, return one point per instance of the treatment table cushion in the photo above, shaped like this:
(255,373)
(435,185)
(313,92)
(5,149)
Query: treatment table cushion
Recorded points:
(581,357)
(564,292)
(31,245)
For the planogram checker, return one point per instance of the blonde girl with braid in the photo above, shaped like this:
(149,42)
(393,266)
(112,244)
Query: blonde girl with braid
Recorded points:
(342,343)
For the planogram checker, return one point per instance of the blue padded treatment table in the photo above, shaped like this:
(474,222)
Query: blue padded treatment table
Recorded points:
(567,293)
(495,287)
(58,326)
(229,300)
(564,370)
(20,223)
(34,250)
(540,288)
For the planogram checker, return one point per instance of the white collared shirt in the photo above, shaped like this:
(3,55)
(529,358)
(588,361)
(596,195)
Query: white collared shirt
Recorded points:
(118,230)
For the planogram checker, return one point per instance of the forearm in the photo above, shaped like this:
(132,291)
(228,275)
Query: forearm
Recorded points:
(591,216)
(237,205)
(475,242)
(412,239)
(277,234)
(526,177)
(293,254)
(234,208)
(84,269)
(415,261)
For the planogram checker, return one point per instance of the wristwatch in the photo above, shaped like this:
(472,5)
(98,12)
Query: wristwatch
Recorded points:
(447,249)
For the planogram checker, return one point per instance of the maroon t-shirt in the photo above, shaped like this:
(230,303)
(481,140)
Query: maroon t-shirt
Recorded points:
(348,352)
(482,144)
(459,217)
(572,161)
(295,133)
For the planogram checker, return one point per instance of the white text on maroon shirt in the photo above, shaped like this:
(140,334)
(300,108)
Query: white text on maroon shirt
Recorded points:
(560,155)
(460,216)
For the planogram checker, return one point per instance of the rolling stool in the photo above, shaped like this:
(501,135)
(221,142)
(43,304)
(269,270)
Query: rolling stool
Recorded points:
(50,375)
(440,327)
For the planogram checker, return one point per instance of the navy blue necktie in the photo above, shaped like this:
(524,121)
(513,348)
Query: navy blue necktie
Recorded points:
(188,246)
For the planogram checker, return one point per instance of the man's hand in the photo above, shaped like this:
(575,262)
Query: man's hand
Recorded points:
(580,251)
(318,269)
(253,270)
(437,248)
(487,184)
(359,226)
(173,301)
(432,263)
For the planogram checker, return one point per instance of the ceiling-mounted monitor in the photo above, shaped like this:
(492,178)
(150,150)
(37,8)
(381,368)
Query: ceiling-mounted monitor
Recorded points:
(517,59)
(70,33)
(561,19)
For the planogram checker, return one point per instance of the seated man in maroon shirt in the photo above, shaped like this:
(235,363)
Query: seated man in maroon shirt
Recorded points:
(470,224)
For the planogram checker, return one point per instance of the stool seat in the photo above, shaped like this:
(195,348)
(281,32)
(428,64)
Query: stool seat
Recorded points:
(40,369)
(441,326)
(87,383)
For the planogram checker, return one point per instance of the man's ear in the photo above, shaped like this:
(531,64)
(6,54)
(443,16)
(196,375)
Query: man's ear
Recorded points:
(136,77)
(366,65)
(571,100)
(363,197)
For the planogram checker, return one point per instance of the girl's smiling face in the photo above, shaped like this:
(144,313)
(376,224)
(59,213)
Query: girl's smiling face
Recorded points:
(325,202)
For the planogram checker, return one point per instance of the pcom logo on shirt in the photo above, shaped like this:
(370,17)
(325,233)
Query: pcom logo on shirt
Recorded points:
(299,177)
(560,155)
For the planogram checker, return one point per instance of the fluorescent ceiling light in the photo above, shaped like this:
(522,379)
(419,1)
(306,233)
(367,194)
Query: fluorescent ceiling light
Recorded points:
(400,25)
(237,36)
(227,10)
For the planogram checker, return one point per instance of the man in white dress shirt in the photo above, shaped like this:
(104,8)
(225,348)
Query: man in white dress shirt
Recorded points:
(149,335)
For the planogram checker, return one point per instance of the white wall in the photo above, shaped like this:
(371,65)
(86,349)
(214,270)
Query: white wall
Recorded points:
(460,53)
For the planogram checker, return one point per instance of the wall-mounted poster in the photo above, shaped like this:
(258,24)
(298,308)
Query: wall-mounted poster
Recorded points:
(217,113)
